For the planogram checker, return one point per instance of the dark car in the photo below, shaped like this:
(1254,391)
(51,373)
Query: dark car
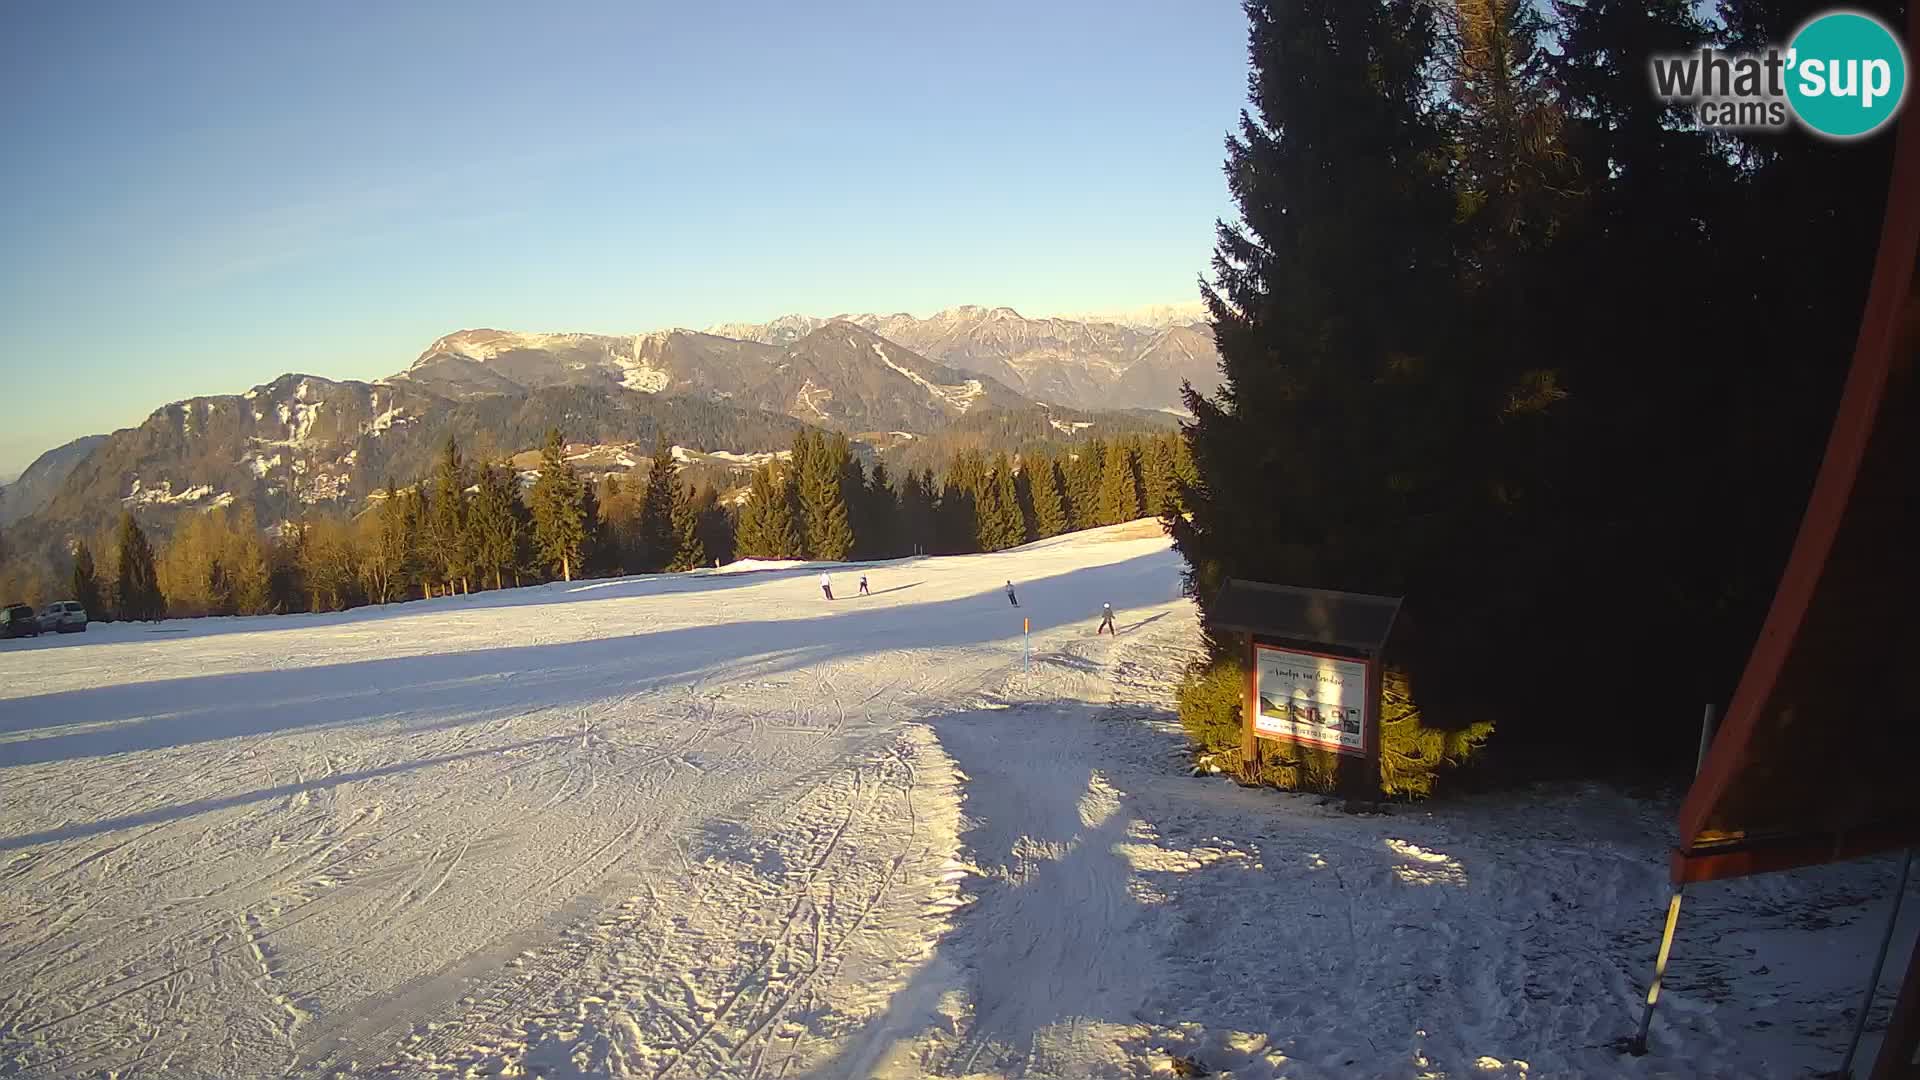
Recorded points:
(17,620)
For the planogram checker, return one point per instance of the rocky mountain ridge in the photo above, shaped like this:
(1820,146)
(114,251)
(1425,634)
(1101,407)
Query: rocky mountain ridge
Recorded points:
(303,441)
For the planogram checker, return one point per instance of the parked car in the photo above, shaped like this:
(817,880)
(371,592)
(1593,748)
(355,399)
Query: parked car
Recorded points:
(64,617)
(17,620)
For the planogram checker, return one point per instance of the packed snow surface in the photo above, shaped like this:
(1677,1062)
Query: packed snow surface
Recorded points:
(712,825)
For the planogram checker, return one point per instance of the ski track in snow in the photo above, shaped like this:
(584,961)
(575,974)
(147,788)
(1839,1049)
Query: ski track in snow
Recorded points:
(710,825)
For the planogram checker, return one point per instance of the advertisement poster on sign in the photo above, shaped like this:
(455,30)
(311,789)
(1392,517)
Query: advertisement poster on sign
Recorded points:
(1314,700)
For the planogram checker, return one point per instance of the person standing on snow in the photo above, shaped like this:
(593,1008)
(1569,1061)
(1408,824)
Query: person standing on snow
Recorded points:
(863,585)
(826,585)
(1010,596)
(1106,621)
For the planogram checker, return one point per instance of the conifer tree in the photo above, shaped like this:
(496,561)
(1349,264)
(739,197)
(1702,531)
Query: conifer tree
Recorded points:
(659,540)
(450,538)
(1318,461)
(853,492)
(988,515)
(1120,499)
(559,505)
(1184,474)
(136,590)
(1156,475)
(1007,527)
(879,530)
(1083,476)
(749,533)
(959,517)
(688,551)
(86,585)
(714,524)
(1023,498)
(769,521)
(620,504)
(596,554)
(1049,497)
(410,541)
(917,512)
(799,466)
(495,525)
(1340,219)
(829,525)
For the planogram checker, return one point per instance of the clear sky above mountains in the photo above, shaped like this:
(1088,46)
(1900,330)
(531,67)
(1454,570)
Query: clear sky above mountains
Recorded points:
(201,196)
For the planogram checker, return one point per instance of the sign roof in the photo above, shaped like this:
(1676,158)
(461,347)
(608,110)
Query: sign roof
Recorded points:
(1344,620)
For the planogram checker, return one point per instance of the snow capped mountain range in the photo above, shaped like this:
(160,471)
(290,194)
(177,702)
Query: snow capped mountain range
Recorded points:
(1135,361)
(304,440)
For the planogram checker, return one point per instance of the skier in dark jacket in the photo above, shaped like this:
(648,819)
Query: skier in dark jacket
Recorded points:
(1106,621)
(1011,599)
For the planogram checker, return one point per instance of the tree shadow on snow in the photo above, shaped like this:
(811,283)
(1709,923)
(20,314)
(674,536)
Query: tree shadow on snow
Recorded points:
(1052,933)
(1125,913)
(226,802)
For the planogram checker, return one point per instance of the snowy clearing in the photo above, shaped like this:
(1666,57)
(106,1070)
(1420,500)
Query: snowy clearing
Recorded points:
(712,825)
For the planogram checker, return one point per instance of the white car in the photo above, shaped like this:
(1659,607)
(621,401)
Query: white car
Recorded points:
(65,617)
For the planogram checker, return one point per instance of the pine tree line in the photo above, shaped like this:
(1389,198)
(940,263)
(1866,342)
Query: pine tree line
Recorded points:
(470,526)
(821,503)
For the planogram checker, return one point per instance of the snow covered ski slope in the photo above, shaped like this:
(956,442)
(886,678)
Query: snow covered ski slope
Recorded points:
(714,825)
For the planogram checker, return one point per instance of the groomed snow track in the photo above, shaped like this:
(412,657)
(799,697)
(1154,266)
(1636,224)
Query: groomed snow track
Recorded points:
(710,825)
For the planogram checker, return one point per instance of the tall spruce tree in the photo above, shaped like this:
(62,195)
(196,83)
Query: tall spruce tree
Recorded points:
(1009,525)
(879,530)
(1156,475)
(770,521)
(451,538)
(823,501)
(495,520)
(1083,476)
(619,512)
(1049,497)
(86,584)
(959,517)
(688,551)
(1023,498)
(559,502)
(413,526)
(918,512)
(136,589)
(714,525)
(1326,454)
(659,540)
(1120,498)
(1344,212)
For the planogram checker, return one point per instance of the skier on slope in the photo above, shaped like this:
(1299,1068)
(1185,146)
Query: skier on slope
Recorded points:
(1106,621)
(863,585)
(826,585)
(1010,597)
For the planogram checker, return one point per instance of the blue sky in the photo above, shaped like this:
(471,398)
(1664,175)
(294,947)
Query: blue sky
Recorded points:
(199,197)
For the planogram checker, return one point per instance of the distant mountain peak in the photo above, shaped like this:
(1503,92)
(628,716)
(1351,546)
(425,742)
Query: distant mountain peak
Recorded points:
(1078,362)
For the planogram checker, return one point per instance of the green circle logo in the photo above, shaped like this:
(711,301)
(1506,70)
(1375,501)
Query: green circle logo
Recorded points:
(1847,74)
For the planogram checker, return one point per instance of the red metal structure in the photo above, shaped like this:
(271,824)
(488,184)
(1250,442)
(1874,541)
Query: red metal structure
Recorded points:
(1815,760)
